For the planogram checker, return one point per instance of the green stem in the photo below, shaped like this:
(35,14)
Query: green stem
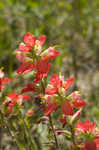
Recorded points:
(28,134)
(10,133)
(73,137)
(51,124)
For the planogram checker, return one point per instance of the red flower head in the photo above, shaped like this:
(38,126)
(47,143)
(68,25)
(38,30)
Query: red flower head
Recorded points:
(77,100)
(89,131)
(85,126)
(58,85)
(13,99)
(30,39)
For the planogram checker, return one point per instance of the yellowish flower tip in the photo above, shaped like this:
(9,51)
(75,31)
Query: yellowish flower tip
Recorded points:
(55,46)
(81,109)
(43,97)
(69,97)
(2,68)
(60,74)
(97,128)
(15,52)
(79,92)
(42,102)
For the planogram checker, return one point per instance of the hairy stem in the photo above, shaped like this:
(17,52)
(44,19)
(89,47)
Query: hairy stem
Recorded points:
(51,124)
(73,137)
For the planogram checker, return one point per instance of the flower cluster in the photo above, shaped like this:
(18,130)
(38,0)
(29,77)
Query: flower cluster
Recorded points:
(54,95)
(14,99)
(90,134)
(33,56)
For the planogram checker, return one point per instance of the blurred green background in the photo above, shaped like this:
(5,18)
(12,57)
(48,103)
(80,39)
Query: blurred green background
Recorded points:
(72,25)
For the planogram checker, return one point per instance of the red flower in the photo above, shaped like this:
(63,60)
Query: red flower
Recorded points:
(14,98)
(89,130)
(57,85)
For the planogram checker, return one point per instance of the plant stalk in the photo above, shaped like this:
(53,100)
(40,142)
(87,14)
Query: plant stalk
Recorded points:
(51,124)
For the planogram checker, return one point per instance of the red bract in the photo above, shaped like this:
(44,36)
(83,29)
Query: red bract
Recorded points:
(50,108)
(90,145)
(79,103)
(24,48)
(20,56)
(3,80)
(50,105)
(51,91)
(77,100)
(29,39)
(42,68)
(25,68)
(49,54)
(67,108)
(68,83)
(42,39)
(29,87)
(97,142)
(55,81)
